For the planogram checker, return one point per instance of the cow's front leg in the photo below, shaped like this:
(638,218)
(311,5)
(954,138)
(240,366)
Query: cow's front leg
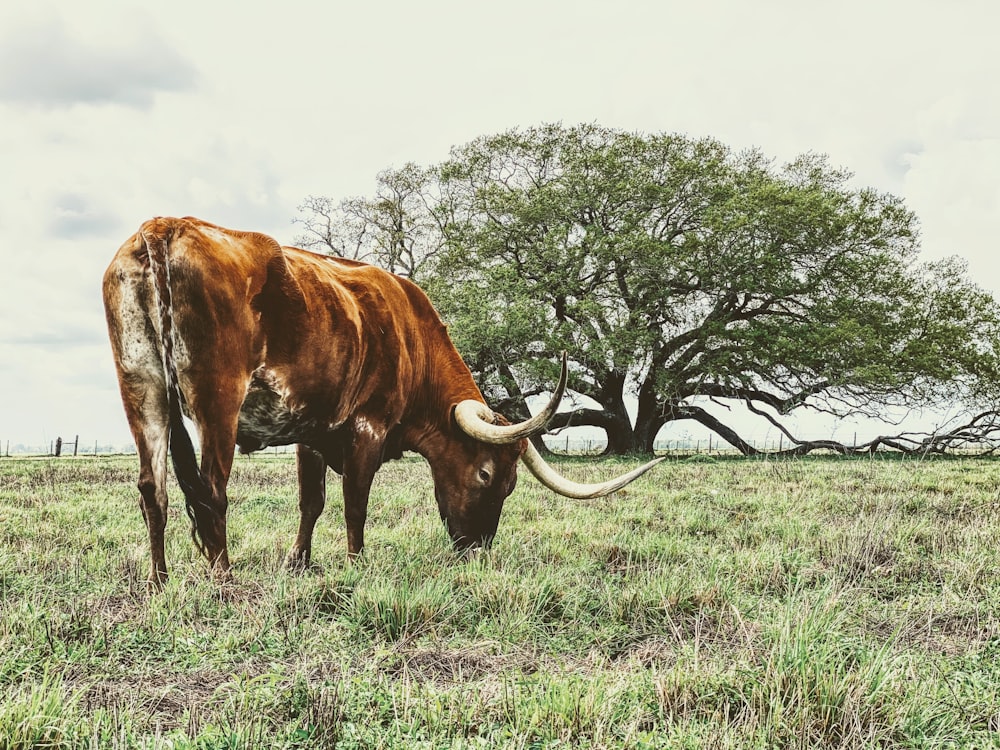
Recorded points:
(312,499)
(360,464)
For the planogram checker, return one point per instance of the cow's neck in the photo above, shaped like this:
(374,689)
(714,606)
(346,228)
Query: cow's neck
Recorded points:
(431,430)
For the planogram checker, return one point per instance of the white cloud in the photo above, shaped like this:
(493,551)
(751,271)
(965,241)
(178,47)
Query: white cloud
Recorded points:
(42,63)
(76,215)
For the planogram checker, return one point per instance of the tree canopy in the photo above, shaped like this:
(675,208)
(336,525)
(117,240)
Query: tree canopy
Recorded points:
(673,270)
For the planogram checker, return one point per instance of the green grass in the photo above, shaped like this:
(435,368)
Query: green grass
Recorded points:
(726,604)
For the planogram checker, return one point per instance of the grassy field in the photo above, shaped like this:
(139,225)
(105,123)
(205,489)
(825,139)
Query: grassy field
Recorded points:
(714,603)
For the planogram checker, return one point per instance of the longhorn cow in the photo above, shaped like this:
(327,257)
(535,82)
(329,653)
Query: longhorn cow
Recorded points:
(263,345)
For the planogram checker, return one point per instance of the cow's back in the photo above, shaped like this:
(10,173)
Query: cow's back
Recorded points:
(364,339)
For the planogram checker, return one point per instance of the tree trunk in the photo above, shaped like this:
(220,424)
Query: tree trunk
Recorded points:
(621,436)
(648,421)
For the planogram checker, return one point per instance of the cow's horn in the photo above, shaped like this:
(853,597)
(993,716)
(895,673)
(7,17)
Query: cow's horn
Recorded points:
(476,418)
(568,488)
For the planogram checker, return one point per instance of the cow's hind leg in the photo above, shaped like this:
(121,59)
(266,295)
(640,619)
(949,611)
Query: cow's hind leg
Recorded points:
(205,486)
(209,508)
(312,498)
(153,502)
(151,444)
(146,411)
(144,396)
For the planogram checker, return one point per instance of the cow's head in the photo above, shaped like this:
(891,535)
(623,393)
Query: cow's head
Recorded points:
(471,487)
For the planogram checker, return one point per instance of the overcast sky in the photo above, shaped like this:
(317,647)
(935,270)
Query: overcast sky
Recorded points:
(114,112)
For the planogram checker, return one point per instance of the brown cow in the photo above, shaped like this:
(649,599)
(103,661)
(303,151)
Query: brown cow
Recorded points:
(264,345)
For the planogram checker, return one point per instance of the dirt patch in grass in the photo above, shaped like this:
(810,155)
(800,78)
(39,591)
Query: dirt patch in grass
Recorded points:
(167,702)
(457,666)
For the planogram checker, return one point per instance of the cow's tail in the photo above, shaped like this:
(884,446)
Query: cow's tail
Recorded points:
(192,482)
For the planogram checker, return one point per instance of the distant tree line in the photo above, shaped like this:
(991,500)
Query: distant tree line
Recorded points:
(675,271)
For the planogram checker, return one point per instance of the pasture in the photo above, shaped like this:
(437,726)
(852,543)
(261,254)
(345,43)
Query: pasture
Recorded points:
(713,603)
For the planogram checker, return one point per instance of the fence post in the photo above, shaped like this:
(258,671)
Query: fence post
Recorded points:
(58,449)
(76,445)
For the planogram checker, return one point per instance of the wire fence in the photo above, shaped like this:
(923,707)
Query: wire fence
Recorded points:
(565,445)
(577,446)
(63,447)
(76,447)
(573,446)
(686,446)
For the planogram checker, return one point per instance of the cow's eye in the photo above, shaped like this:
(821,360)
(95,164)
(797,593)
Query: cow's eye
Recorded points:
(485,476)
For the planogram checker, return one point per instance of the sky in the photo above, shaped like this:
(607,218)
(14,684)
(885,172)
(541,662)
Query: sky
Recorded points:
(114,112)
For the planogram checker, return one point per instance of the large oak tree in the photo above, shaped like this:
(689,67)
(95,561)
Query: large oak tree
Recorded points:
(673,270)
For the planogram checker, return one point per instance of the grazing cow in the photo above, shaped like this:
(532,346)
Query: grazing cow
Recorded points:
(262,345)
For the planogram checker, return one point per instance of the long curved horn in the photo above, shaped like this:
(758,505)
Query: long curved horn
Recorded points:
(476,418)
(568,488)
